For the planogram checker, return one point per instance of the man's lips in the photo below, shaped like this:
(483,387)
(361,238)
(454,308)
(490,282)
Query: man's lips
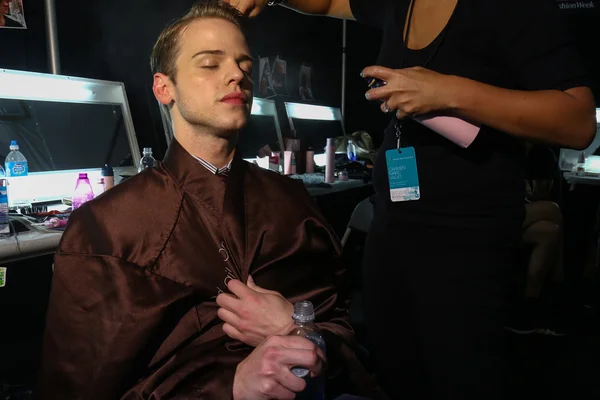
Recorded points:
(235,98)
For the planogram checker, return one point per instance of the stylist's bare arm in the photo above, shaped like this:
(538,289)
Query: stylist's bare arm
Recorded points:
(330,8)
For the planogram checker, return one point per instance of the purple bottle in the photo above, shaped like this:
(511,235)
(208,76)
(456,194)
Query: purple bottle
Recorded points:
(83,191)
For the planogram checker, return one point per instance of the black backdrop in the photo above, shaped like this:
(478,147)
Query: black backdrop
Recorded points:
(112,39)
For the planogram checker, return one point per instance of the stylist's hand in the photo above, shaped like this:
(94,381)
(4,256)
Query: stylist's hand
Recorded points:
(255,314)
(249,8)
(265,373)
(411,91)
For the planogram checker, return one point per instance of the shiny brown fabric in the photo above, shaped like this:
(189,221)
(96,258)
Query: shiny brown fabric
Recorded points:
(132,311)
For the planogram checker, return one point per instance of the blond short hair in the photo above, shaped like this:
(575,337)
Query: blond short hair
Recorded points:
(166,48)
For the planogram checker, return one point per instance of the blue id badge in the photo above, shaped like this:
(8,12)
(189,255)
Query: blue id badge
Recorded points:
(403,174)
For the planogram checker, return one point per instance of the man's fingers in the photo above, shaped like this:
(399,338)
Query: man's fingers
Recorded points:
(300,358)
(229,302)
(313,360)
(292,342)
(274,390)
(252,285)
(229,316)
(298,350)
(290,381)
(232,332)
(320,367)
(239,289)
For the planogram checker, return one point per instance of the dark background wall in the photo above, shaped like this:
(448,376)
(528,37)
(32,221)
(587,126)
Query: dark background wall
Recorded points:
(112,39)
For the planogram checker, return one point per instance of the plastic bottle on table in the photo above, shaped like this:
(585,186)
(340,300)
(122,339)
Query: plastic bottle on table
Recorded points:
(83,191)
(15,163)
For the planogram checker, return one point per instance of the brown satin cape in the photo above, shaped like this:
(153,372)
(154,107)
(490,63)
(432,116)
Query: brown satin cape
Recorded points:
(132,311)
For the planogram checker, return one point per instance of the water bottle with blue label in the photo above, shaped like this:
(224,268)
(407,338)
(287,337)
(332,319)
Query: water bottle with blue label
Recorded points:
(304,317)
(16,163)
(351,151)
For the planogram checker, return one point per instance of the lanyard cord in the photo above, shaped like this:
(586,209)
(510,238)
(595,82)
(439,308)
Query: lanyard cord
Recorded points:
(439,39)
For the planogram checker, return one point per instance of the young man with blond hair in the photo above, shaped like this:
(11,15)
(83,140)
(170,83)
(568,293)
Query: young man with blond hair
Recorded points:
(179,282)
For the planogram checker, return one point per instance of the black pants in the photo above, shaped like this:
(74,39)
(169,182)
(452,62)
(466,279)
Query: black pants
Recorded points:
(434,309)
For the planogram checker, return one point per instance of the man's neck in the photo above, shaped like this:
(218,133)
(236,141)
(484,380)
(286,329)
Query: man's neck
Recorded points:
(2,20)
(210,147)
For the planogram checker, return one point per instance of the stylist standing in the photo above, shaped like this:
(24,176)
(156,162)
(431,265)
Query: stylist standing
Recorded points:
(437,264)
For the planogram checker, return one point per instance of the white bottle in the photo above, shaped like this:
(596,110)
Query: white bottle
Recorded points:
(15,163)
(147,160)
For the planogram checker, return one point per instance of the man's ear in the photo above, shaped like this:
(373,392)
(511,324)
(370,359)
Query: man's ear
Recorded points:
(163,89)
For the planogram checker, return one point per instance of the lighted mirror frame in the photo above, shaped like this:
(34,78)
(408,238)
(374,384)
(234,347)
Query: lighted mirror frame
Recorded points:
(25,85)
(313,112)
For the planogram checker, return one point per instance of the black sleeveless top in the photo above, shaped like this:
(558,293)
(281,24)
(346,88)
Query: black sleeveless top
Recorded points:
(512,44)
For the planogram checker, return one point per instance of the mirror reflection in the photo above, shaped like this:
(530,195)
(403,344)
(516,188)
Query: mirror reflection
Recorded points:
(64,136)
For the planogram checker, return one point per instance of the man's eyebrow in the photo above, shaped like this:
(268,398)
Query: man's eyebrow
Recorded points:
(209,52)
(242,58)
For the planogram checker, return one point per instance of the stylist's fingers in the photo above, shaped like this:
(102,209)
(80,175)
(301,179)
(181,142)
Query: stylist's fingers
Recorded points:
(401,114)
(243,6)
(402,108)
(386,108)
(380,93)
(376,71)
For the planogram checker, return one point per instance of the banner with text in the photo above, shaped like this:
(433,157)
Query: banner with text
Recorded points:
(578,5)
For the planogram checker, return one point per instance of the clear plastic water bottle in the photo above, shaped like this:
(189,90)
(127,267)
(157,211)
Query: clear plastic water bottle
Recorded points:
(83,191)
(351,151)
(147,160)
(15,163)
(304,317)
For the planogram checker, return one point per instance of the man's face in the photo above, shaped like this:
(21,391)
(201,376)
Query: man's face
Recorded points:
(4,6)
(214,71)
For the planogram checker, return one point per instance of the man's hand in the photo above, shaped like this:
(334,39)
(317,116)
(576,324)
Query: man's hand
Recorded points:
(249,8)
(255,314)
(265,373)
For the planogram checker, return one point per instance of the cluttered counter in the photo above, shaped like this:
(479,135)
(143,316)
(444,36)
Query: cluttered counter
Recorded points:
(39,209)
(37,231)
